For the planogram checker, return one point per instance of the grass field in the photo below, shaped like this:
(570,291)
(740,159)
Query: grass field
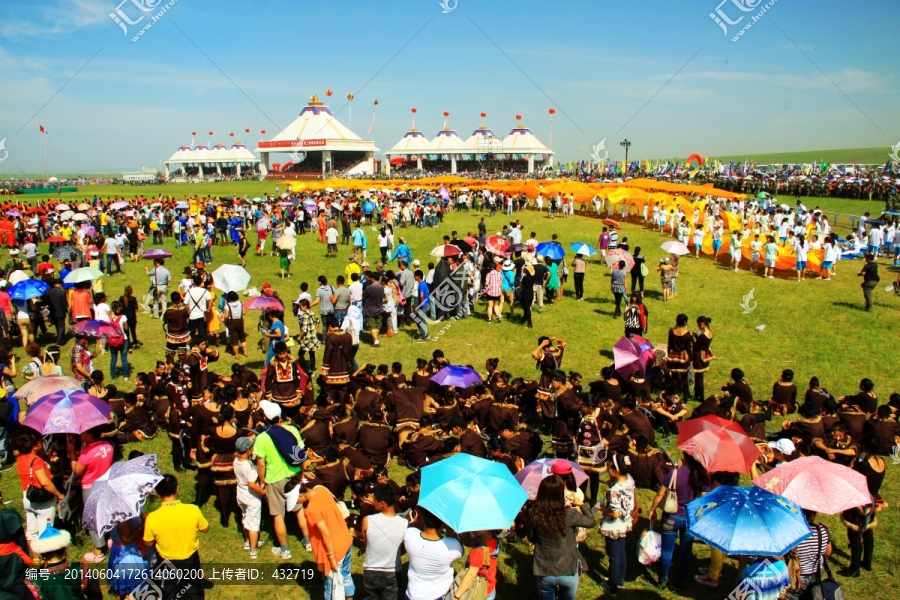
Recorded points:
(815,328)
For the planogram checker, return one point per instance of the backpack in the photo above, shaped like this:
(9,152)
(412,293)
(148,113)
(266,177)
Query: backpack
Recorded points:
(119,341)
(287,445)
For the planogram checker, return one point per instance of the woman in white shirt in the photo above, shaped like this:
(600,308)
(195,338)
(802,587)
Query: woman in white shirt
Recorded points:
(828,260)
(430,559)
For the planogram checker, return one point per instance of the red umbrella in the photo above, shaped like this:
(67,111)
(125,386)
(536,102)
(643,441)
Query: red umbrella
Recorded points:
(496,244)
(612,223)
(98,329)
(817,484)
(718,445)
(56,239)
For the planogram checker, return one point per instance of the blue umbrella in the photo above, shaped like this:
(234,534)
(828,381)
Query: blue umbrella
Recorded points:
(747,520)
(182,205)
(552,250)
(457,376)
(471,494)
(431,201)
(368,207)
(583,249)
(28,289)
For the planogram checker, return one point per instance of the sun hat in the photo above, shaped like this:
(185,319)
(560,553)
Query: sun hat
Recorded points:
(508,265)
(561,467)
(784,445)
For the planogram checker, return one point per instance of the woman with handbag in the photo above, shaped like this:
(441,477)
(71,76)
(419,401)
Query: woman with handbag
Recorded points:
(618,519)
(811,554)
(39,495)
(479,580)
(557,561)
(681,486)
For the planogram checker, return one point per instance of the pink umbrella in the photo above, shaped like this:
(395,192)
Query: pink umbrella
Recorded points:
(633,355)
(119,205)
(817,484)
(262,303)
(98,329)
(39,387)
(614,256)
(67,412)
(88,230)
(532,474)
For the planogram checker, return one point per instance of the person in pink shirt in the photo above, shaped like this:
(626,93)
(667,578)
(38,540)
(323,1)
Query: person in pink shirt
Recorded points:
(92,465)
(604,242)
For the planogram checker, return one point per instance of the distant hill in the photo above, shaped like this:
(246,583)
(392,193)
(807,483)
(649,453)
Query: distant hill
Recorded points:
(876,156)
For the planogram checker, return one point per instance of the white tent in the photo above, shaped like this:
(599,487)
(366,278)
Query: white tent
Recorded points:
(316,134)
(195,162)
(413,145)
(522,144)
(446,145)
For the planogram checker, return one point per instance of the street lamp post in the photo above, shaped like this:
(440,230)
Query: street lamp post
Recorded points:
(625,144)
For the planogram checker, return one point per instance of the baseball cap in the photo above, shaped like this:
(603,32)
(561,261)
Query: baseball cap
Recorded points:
(784,445)
(243,444)
(270,409)
(416,263)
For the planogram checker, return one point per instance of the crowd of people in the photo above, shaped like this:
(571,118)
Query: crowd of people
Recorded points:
(313,434)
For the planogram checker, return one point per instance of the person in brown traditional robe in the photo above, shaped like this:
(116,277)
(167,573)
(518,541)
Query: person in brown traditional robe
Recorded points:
(470,440)
(137,425)
(549,360)
(338,354)
(197,362)
(376,440)
(285,381)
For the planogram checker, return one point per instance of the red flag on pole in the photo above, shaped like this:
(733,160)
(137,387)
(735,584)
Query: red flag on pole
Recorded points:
(44,131)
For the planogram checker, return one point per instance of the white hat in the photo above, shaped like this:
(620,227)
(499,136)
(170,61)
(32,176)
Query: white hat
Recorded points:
(270,409)
(51,540)
(784,445)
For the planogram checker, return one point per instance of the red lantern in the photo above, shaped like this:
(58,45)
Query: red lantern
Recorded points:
(263,131)
(328,92)
(518,117)
(210,133)
(446,113)
(375,101)
(193,133)
(415,110)
(483,115)
(246,131)
(552,111)
(231,134)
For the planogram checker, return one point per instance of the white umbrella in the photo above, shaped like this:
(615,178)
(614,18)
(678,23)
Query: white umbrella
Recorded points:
(286,243)
(675,247)
(62,207)
(83,274)
(231,278)
(329,190)
(80,217)
(84,206)
(66,215)
(17,276)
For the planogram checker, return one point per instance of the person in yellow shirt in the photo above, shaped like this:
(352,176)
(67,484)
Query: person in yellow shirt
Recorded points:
(173,531)
(352,267)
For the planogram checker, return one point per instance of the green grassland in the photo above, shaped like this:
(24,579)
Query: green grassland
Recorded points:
(814,328)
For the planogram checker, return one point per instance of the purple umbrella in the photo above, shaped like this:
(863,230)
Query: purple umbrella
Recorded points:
(633,354)
(88,230)
(121,496)
(532,474)
(119,205)
(13,213)
(98,329)
(262,303)
(457,376)
(68,411)
(157,253)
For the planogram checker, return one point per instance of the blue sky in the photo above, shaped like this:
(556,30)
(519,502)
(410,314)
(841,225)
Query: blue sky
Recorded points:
(597,62)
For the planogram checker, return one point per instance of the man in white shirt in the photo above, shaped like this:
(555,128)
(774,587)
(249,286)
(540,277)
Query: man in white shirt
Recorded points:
(29,251)
(356,290)
(113,257)
(515,235)
(198,301)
